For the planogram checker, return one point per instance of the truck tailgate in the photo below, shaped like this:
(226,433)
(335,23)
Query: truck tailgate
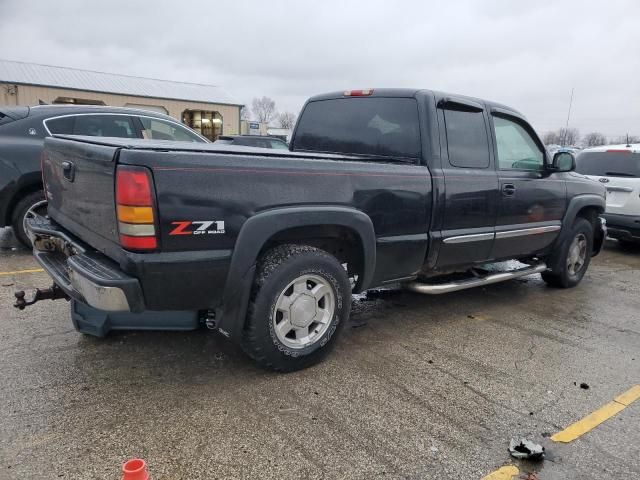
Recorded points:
(79,183)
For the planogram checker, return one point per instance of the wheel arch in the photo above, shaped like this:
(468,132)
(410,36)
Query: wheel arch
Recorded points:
(29,183)
(303,225)
(587,206)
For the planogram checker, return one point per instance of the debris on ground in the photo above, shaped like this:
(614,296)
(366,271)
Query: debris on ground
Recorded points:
(530,476)
(584,386)
(526,449)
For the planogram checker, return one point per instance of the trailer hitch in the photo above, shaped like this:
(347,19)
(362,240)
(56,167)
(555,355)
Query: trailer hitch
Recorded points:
(54,292)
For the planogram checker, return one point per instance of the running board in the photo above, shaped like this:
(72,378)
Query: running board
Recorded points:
(437,289)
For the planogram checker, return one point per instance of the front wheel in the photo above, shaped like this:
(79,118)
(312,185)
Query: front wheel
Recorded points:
(573,256)
(301,299)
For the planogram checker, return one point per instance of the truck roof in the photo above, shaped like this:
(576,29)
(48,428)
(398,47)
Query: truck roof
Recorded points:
(413,92)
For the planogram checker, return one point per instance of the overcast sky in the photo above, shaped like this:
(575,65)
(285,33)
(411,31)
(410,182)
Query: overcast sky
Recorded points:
(527,54)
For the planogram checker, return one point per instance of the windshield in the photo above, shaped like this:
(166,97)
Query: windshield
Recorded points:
(609,164)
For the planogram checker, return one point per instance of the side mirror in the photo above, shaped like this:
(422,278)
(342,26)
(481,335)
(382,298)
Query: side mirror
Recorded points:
(564,162)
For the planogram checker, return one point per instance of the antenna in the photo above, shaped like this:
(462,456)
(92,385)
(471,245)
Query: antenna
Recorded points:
(566,128)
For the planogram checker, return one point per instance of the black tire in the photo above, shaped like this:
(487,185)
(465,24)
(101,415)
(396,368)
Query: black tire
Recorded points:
(277,269)
(561,275)
(20,210)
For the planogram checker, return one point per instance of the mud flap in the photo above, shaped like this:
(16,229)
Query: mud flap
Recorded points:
(99,323)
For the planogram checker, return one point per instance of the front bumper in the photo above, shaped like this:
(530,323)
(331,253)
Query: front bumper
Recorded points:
(86,276)
(623,227)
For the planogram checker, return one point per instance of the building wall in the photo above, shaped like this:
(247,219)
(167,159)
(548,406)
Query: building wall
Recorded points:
(31,95)
(245,130)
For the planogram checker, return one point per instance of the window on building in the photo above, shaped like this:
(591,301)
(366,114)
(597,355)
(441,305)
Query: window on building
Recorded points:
(77,101)
(467,140)
(206,123)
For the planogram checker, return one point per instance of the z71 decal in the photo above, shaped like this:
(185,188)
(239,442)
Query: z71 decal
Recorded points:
(203,227)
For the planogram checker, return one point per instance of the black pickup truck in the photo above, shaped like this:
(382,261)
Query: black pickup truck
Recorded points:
(416,187)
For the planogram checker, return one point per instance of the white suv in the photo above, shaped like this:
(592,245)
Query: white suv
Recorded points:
(618,168)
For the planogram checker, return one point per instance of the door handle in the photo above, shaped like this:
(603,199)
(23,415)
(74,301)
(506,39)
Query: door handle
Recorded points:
(508,189)
(68,170)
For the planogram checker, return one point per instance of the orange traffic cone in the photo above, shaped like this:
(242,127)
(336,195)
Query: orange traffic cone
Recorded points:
(135,469)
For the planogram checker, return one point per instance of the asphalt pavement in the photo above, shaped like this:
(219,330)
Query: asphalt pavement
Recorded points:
(421,387)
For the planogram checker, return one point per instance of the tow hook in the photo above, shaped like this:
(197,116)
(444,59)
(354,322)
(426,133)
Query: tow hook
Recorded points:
(54,292)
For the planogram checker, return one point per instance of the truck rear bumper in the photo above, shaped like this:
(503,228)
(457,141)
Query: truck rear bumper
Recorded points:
(88,277)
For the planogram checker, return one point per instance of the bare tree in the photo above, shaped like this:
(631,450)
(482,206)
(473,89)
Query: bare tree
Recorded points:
(551,138)
(594,139)
(245,113)
(562,136)
(569,136)
(286,120)
(625,139)
(264,109)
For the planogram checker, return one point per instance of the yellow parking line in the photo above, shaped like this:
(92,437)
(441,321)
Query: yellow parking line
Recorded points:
(33,270)
(594,419)
(503,473)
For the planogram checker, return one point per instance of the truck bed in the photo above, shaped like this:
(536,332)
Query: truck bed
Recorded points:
(210,183)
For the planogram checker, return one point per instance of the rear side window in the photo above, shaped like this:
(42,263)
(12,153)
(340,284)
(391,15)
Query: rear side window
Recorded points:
(156,129)
(467,140)
(609,164)
(61,126)
(386,127)
(279,145)
(5,119)
(119,126)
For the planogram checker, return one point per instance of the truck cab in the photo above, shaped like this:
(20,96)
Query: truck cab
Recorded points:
(497,195)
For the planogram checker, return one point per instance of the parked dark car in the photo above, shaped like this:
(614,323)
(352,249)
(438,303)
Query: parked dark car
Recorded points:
(22,133)
(429,190)
(253,141)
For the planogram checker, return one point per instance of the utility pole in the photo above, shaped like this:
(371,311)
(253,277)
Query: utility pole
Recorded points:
(566,128)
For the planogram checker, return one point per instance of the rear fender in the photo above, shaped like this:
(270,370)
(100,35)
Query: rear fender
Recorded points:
(255,234)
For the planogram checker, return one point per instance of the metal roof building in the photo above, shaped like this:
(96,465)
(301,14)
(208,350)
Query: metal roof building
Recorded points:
(208,109)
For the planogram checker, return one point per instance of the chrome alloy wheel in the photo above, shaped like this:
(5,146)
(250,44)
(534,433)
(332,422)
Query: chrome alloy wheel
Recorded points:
(303,311)
(38,208)
(577,254)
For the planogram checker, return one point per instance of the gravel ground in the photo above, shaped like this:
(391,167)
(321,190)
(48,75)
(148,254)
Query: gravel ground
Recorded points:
(418,387)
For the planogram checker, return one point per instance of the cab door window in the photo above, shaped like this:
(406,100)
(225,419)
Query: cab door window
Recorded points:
(517,150)
(467,140)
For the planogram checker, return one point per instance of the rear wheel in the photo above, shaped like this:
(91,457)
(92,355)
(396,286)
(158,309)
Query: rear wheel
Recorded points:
(573,257)
(33,203)
(300,300)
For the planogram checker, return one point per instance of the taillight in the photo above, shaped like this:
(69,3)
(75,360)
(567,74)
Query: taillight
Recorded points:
(619,150)
(134,207)
(358,93)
